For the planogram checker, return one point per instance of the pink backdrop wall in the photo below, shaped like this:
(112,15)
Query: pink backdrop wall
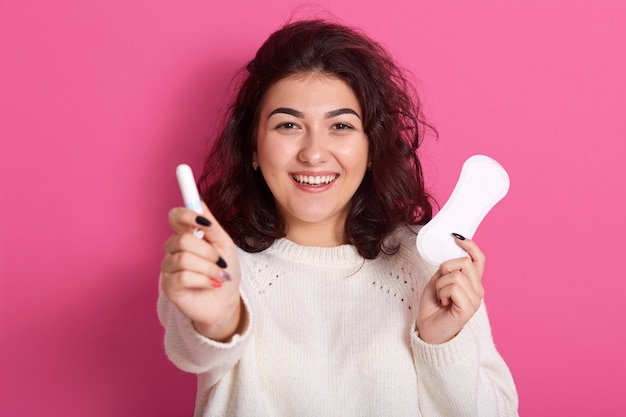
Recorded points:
(100,100)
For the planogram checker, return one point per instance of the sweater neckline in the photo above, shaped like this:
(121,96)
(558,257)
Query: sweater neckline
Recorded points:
(341,255)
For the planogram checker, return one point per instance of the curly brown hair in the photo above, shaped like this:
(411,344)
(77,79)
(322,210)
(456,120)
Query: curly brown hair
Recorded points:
(392,192)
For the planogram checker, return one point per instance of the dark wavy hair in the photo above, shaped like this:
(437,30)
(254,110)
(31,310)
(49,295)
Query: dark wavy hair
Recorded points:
(392,192)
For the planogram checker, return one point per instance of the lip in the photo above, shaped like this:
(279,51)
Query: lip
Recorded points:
(314,181)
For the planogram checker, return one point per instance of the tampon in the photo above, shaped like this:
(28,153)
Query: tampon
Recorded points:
(189,191)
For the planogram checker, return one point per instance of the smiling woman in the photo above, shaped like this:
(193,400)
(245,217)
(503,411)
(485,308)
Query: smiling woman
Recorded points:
(390,115)
(313,154)
(306,295)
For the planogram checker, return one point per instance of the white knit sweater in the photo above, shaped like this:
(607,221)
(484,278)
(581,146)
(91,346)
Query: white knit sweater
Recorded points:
(332,334)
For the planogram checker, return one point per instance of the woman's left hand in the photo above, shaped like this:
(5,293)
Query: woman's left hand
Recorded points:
(452,295)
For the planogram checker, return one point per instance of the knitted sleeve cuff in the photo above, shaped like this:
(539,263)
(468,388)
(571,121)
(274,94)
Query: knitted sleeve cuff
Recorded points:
(192,352)
(455,350)
(236,339)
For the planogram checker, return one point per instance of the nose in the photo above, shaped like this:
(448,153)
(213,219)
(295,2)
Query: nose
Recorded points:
(314,148)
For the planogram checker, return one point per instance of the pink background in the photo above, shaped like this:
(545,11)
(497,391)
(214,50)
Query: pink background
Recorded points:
(99,101)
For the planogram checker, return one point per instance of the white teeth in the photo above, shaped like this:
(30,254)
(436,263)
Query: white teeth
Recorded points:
(317,180)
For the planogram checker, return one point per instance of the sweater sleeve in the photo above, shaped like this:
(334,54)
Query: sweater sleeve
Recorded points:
(192,352)
(465,376)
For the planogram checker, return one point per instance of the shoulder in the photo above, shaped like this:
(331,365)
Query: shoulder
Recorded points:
(402,248)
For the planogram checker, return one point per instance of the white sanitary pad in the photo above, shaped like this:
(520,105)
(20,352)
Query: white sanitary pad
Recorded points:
(482,183)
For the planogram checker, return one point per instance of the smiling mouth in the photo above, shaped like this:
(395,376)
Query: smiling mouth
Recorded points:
(314,180)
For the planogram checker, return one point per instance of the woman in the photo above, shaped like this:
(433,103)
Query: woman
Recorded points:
(306,296)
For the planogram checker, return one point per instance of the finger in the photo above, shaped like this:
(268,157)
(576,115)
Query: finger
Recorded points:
(184,280)
(456,287)
(474,252)
(215,233)
(458,301)
(187,261)
(187,242)
(212,266)
(467,267)
(182,219)
(456,264)
(430,290)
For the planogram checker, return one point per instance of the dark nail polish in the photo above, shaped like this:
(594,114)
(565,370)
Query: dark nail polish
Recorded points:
(458,236)
(221,263)
(203,221)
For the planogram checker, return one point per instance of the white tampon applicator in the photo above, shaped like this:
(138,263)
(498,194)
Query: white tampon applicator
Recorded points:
(189,191)
(482,183)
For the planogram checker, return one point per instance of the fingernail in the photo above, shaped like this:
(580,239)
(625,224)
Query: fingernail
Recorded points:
(221,262)
(215,283)
(458,236)
(203,221)
(225,275)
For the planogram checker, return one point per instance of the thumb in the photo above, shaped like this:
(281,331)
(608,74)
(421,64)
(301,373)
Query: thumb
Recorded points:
(430,290)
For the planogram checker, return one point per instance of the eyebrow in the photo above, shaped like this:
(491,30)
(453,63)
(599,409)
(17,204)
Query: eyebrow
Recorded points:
(300,115)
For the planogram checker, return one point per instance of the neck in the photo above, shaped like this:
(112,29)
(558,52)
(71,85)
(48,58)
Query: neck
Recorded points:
(316,234)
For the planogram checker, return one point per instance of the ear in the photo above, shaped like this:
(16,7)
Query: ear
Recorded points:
(255,161)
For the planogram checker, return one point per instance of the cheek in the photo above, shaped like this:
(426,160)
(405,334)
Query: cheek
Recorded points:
(264,153)
(276,153)
(270,160)
(356,156)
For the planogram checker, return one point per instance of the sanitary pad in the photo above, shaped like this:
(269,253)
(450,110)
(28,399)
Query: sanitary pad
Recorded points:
(482,183)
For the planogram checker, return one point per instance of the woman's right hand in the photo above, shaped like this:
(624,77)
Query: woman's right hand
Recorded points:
(201,275)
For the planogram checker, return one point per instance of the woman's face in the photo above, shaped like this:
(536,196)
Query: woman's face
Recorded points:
(313,153)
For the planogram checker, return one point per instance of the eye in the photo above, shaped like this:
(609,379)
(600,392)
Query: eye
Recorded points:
(342,126)
(287,126)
